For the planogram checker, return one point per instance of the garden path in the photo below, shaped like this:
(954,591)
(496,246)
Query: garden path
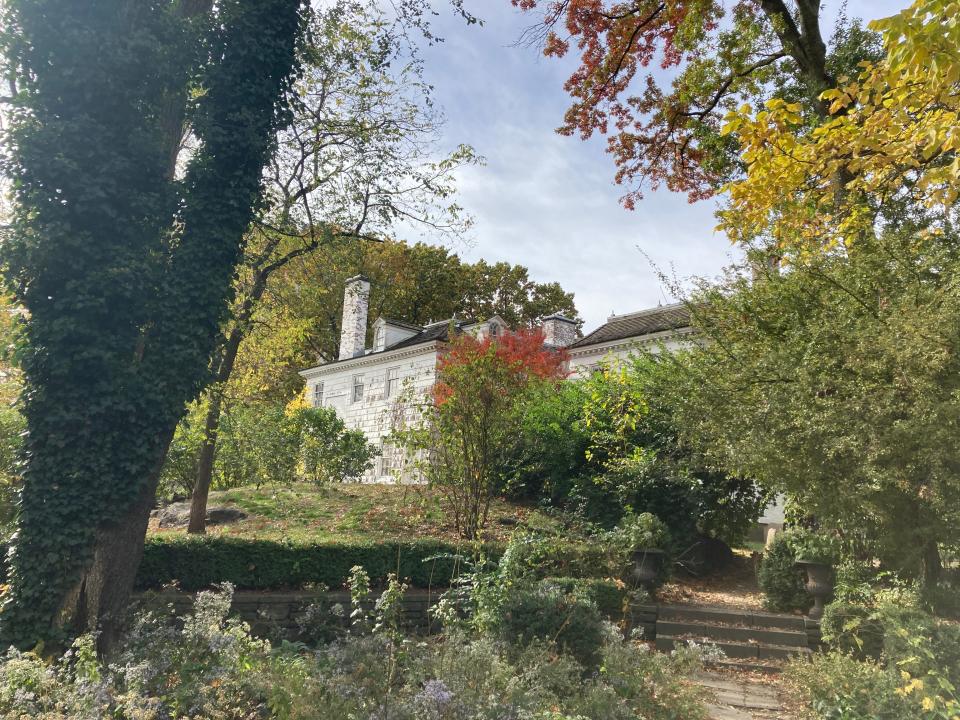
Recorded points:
(742,696)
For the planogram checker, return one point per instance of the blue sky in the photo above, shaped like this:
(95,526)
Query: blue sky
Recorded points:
(547,201)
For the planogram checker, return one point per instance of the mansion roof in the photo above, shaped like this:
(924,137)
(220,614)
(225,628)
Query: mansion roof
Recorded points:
(638,324)
(439,331)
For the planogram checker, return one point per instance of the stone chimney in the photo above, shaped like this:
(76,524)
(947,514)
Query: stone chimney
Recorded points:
(353,329)
(559,331)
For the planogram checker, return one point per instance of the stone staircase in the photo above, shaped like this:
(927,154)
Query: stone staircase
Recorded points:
(750,640)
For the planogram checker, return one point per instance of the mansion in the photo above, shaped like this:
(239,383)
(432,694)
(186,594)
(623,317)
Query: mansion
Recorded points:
(364,384)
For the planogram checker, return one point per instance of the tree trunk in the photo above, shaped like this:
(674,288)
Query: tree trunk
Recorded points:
(208,452)
(932,565)
(102,595)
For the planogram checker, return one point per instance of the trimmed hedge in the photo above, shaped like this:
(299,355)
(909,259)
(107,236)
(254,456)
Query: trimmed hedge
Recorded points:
(194,563)
(197,562)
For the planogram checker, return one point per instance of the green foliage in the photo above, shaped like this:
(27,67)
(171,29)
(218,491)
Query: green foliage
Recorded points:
(263,443)
(548,613)
(610,444)
(330,451)
(851,629)
(644,531)
(815,547)
(11,432)
(256,444)
(610,597)
(551,452)
(894,627)
(837,382)
(124,267)
(912,669)
(780,580)
(179,472)
(834,686)
(194,563)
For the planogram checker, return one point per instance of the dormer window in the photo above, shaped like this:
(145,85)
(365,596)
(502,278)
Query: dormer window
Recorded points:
(379,338)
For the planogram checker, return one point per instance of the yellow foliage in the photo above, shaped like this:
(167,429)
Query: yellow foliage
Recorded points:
(814,190)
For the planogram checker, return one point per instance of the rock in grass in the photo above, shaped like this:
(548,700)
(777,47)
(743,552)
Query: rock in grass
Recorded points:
(177,515)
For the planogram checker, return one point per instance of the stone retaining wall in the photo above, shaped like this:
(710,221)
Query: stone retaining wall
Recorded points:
(273,613)
(270,613)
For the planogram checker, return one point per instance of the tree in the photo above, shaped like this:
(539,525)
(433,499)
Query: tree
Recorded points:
(354,159)
(891,137)
(837,383)
(846,357)
(124,265)
(670,134)
(469,424)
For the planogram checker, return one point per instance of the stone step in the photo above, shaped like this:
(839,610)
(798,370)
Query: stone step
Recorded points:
(732,616)
(789,638)
(767,667)
(735,650)
(736,693)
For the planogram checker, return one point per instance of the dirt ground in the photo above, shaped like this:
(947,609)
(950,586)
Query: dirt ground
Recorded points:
(734,586)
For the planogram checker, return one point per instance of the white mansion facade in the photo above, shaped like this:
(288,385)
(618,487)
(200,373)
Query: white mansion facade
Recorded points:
(364,384)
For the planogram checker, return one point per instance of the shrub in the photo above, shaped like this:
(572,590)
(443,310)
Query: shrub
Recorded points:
(922,651)
(624,453)
(551,447)
(471,422)
(330,451)
(549,613)
(610,597)
(780,579)
(849,628)
(834,686)
(256,444)
(643,531)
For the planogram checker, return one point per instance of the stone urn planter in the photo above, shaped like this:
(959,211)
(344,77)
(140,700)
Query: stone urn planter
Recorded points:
(646,564)
(819,584)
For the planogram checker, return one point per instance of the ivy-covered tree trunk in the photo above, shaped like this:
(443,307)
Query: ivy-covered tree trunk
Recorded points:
(126,273)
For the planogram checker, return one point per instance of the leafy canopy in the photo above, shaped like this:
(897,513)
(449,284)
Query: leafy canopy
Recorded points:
(663,126)
(890,140)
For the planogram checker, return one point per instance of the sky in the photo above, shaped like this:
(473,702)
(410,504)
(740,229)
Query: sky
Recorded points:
(547,201)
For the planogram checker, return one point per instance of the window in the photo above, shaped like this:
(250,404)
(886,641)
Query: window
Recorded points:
(386,459)
(494,329)
(357,388)
(392,382)
(379,340)
(318,395)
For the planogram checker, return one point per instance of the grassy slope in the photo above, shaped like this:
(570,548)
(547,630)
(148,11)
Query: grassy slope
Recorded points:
(356,512)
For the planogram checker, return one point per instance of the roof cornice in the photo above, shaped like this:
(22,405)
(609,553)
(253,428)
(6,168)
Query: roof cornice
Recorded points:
(371,359)
(630,342)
